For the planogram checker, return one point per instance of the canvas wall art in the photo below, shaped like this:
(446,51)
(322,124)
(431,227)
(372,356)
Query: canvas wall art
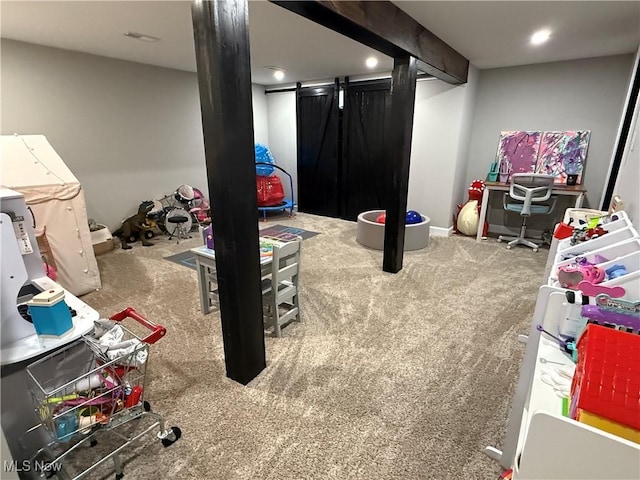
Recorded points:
(518,152)
(563,153)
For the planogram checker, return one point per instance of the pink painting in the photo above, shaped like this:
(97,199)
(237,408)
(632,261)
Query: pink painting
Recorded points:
(517,152)
(563,153)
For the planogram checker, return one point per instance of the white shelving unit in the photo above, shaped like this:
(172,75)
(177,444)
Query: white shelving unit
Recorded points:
(541,444)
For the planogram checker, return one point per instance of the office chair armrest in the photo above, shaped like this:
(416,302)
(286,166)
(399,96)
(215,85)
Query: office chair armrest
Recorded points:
(520,192)
(554,199)
(505,198)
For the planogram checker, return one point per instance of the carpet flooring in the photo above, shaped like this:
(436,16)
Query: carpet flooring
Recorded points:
(404,376)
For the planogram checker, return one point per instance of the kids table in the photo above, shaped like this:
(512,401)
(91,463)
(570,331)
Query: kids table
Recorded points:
(206,265)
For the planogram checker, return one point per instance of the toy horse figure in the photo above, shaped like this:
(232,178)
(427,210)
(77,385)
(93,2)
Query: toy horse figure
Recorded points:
(466,221)
(135,226)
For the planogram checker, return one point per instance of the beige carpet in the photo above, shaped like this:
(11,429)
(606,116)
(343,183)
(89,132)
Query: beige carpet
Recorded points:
(404,376)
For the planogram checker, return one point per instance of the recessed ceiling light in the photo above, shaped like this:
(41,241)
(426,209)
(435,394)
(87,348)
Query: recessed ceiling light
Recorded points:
(371,62)
(142,37)
(540,37)
(278,72)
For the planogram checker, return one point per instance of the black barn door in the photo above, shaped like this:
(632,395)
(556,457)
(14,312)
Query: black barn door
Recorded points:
(365,168)
(318,153)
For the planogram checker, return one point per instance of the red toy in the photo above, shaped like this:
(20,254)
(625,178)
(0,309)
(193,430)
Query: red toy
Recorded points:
(382,218)
(605,391)
(475,192)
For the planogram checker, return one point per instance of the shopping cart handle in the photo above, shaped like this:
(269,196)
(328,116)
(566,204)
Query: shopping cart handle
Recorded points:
(157,331)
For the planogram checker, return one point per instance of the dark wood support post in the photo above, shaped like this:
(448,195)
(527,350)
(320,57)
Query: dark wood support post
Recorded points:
(403,93)
(224,76)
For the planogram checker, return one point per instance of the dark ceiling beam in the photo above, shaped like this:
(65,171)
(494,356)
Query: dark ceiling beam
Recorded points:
(383,26)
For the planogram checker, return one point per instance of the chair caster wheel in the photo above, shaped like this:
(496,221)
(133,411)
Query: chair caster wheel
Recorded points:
(119,476)
(535,250)
(508,247)
(146,406)
(499,240)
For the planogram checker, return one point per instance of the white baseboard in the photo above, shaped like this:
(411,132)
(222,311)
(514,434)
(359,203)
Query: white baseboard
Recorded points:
(440,231)
(494,230)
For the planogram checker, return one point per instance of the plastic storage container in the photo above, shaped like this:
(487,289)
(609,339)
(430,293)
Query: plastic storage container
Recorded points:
(618,221)
(611,238)
(610,253)
(50,313)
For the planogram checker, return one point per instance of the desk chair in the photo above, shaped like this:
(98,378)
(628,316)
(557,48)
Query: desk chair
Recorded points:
(280,292)
(527,194)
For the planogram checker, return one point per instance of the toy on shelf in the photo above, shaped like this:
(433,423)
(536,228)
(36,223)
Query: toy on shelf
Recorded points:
(569,345)
(584,234)
(613,312)
(592,290)
(605,391)
(468,216)
(615,271)
(570,276)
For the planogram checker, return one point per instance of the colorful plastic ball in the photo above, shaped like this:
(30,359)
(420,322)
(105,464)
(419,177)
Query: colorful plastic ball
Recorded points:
(381,218)
(412,217)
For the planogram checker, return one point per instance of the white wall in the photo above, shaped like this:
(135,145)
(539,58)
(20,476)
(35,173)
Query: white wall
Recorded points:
(129,132)
(260,119)
(281,108)
(626,185)
(585,94)
(629,174)
(439,147)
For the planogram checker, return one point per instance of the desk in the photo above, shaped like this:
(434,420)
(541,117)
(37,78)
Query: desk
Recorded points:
(206,263)
(577,191)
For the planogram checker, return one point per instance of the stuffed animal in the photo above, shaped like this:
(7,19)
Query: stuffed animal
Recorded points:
(466,221)
(135,226)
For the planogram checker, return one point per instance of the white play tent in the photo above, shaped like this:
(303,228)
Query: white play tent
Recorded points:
(31,166)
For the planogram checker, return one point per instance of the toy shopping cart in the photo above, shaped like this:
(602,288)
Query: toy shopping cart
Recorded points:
(92,386)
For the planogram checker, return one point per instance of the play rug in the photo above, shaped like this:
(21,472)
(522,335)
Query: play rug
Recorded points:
(187,259)
(278,232)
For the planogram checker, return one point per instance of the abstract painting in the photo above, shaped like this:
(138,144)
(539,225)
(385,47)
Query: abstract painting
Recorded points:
(518,152)
(563,153)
